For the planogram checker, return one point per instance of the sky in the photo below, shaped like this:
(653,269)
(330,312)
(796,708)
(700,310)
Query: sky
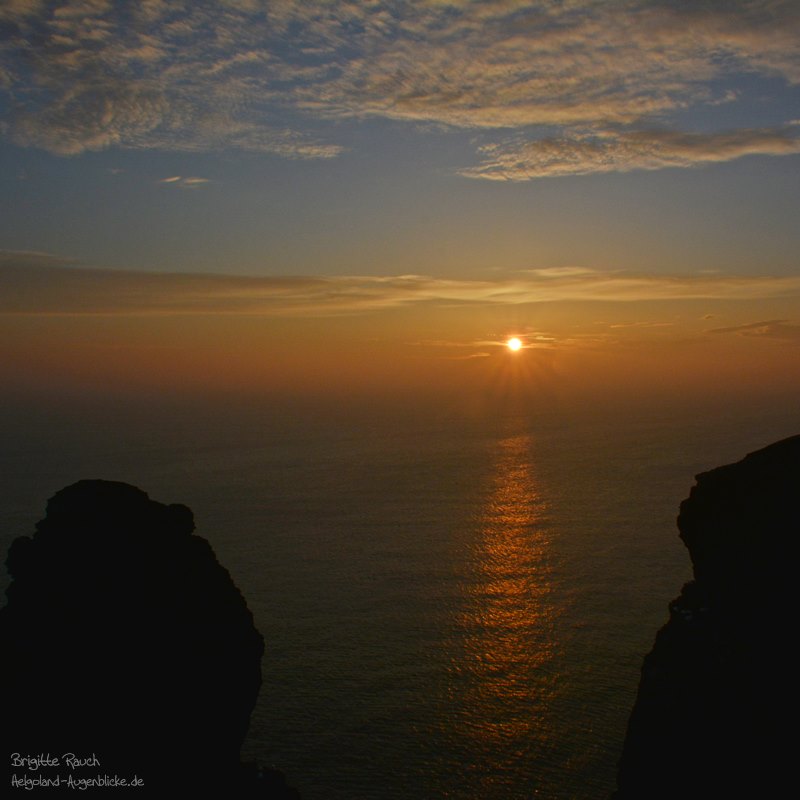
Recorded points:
(341,197)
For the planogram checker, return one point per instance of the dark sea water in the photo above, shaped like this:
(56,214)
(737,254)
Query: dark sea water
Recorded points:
(454,606)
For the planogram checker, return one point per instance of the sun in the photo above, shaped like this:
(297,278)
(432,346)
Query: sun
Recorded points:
(514,344)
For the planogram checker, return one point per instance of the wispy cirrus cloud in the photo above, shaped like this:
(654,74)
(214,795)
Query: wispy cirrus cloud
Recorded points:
(19,260)
(32,283)
(770,329)
(625,151)
(181,182)
(588,86)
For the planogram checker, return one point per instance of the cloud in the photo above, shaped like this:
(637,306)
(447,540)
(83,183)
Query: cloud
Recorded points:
(584,83)
(32,283)
(559,272)
(184,183)
(94,117)
(19,260)
(771,329)
(619,325)
(625,151)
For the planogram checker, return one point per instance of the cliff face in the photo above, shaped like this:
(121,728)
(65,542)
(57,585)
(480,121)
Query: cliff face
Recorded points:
(123,637)
(718,688)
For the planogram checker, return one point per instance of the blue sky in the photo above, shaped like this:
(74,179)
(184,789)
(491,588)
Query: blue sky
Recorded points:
(302,135)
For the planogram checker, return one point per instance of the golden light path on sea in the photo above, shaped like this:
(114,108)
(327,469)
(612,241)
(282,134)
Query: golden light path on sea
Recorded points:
(508,622)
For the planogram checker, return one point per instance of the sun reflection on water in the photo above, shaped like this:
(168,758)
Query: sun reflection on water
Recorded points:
(501,678)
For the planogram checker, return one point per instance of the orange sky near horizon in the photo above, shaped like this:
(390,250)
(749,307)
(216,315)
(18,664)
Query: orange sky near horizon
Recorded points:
(572,352)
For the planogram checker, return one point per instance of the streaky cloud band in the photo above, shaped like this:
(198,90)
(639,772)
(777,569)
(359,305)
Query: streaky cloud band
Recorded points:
(36,283)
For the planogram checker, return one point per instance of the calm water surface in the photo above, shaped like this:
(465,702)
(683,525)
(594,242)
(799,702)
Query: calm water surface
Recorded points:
(453,608)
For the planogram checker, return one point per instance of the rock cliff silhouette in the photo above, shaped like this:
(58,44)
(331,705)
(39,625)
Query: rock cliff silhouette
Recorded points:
(717,703)
(125,640)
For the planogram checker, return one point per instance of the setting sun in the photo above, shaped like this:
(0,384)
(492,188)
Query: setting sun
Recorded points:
(514,344)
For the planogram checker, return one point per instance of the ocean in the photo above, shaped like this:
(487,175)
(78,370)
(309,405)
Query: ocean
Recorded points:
(455,605)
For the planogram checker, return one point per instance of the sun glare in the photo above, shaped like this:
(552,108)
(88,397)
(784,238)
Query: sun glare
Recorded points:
(514,344)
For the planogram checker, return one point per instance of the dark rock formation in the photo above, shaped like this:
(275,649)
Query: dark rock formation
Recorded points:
(125,639)
(717,702)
